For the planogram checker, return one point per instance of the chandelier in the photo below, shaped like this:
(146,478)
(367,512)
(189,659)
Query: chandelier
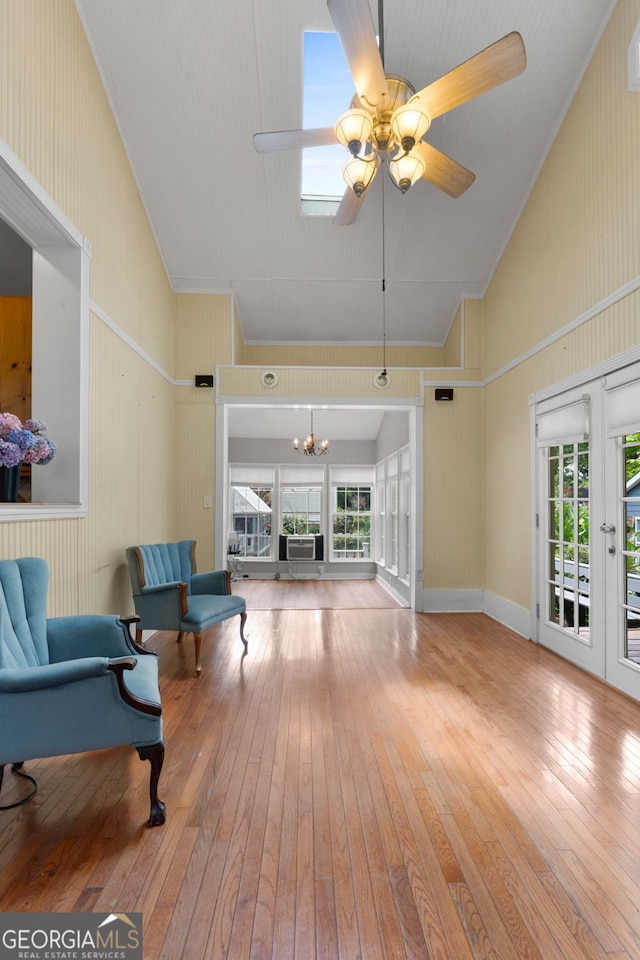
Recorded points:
(310,448)
(391,130)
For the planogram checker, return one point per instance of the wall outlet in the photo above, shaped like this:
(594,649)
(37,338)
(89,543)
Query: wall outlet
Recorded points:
(207,503)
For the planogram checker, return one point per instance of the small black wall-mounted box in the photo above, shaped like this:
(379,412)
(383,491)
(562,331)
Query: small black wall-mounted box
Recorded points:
(204,379)
(444,393)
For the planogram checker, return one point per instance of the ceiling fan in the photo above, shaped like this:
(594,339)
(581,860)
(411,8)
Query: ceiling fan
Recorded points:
(387,119)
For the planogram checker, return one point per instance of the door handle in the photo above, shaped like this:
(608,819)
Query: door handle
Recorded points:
(607,527)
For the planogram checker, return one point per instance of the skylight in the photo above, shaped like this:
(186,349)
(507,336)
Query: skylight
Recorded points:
(328,90)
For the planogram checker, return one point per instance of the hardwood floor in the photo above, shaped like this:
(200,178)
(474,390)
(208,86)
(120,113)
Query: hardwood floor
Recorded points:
(365,783)
(313,594)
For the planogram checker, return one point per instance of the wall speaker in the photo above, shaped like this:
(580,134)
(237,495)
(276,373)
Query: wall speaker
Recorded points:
(444,393)
(204,379)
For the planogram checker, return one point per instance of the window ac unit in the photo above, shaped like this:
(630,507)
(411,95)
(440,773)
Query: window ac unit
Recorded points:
(301,548)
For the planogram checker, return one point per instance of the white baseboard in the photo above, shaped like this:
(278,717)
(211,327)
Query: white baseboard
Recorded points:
(452,601)
(510,614)
(504,611)
(396,594)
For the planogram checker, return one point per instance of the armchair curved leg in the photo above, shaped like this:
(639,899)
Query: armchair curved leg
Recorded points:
(155,754)
(197,639)
(243,620)
(180,636)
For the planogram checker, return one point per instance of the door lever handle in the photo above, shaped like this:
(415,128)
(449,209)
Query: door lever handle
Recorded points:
(607,527)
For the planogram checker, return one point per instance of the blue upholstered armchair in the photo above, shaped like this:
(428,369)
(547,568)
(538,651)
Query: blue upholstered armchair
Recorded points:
(169,595)
(70,684)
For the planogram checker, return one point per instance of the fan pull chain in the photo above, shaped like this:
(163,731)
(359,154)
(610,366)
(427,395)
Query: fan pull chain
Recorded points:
(384,288)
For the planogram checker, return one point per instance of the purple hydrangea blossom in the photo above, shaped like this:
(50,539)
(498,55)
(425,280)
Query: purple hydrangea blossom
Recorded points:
(8,422)
(18,442)
(23,438)
(36,426)
(38,452)
(52,451)
(10,454)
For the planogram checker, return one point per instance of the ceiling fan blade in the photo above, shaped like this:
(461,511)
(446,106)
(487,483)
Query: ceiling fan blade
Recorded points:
(503,60)
(354,26)
(293,139)
(443,172)
(348,209)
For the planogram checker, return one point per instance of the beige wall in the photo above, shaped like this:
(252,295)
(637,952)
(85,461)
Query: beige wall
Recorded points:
(336,356)
(203,334)
(577,242)
(54,115)
(152,455)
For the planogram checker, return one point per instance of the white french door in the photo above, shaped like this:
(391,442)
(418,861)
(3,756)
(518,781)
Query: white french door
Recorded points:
(588,523)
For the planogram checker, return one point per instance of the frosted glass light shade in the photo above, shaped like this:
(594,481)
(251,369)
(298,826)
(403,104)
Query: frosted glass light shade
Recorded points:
(409,124)
(358,173)
(406,170)
(353,129)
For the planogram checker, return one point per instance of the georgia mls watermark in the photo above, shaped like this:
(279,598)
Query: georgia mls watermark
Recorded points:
(70,936)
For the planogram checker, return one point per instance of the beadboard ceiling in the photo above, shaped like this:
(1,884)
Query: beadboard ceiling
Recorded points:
(190,82)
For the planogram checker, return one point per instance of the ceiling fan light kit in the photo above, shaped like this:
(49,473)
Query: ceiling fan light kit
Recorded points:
(389,131)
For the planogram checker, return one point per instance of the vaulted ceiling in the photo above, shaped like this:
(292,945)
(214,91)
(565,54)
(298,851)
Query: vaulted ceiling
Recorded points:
(190,82)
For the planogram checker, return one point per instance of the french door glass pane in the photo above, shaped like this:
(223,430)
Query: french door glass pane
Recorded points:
(631,550)
(568,538)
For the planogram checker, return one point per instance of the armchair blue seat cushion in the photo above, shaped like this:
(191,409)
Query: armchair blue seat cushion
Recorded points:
(70,684)
(169,594)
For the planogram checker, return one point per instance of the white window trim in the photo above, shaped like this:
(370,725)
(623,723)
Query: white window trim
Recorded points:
(61,266)
(370,485)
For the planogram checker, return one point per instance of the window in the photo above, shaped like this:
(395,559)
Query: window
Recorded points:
(301,510)
(631,548)
(381,517)
(568,536)
(328,90)
(351,522)
(393,494)
(406,528)
(251,520)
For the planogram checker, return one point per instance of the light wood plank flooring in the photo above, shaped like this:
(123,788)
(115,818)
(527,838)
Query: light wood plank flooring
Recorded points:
(313,594)
(365,783)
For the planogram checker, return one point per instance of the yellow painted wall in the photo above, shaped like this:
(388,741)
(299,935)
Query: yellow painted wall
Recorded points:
(203,335)
(577,242)
(329,384)
(453,514)
(336,356)
(55,116)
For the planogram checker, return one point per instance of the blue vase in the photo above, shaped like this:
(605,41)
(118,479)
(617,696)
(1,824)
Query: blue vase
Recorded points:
(9,483)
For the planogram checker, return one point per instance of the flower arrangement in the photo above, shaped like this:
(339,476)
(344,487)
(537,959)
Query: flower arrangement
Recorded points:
(24,442)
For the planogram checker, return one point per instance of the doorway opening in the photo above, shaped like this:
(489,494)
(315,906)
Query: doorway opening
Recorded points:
(373,449)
